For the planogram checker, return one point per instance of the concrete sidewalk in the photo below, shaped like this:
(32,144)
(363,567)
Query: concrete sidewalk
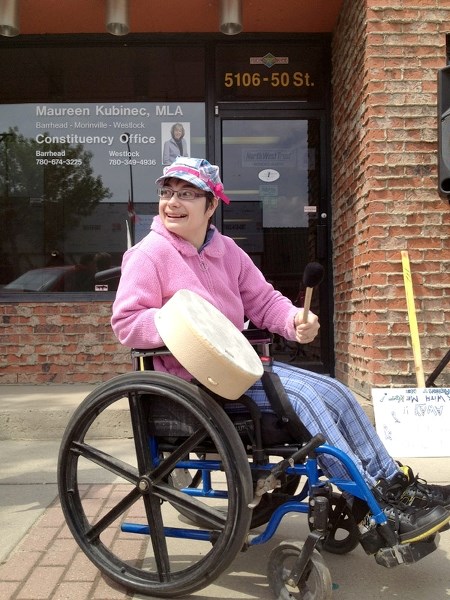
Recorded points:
(40,559)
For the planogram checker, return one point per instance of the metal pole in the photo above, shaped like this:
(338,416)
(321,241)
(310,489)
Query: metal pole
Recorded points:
(131,187)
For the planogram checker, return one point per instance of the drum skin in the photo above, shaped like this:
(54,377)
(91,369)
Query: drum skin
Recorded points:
(208,345)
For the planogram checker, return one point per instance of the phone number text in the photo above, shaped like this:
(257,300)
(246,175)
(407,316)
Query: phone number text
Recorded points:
(133,161)
(59,161)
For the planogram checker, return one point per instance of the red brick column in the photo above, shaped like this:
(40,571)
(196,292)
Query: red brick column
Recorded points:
(384,190)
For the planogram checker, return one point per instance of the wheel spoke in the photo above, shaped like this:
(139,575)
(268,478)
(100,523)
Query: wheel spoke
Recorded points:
(94,532)
(167,465)
(139,424)
(213,517)
(108,462)
(159,542)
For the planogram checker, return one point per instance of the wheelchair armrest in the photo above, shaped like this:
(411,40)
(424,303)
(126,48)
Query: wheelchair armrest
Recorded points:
(258,336)
(142,359)
(162,350)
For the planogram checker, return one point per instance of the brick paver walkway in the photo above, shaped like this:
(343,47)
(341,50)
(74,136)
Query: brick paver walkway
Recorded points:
(48,564)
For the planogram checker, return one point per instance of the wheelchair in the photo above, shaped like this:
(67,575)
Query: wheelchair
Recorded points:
(202,484)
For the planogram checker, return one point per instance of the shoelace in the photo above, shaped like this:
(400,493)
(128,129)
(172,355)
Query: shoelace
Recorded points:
(415,484)
(392,508)
(422,485)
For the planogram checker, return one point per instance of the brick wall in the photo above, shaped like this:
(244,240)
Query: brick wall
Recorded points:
(384,187)
(59,343)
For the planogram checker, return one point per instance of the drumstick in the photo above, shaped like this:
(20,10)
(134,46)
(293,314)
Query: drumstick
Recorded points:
(415,341)
(312,276)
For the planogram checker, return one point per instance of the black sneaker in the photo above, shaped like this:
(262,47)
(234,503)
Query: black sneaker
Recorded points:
(410,523)
(419,493)
(414,524)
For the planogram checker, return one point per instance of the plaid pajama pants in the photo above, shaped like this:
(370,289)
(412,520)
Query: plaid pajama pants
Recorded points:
(326,406)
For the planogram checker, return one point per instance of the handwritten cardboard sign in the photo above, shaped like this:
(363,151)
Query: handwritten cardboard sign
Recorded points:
(413,421)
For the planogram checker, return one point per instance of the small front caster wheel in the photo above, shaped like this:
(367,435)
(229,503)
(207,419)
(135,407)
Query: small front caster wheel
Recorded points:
(314,584)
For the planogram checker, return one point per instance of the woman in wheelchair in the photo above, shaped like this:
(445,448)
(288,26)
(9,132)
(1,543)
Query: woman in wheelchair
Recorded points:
(185,251)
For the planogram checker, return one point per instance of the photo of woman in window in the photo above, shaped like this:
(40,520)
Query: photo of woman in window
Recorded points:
(176,145)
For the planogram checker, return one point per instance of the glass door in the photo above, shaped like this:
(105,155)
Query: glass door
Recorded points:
(272,171)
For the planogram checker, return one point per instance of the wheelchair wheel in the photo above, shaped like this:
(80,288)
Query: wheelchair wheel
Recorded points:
(164,557)
(315,584)
(343,533)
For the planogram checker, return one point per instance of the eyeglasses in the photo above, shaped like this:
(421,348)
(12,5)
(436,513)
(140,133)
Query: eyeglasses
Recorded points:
(166,193)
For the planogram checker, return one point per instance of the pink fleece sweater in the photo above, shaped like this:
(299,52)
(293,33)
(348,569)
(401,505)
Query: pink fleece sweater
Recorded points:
(222,273)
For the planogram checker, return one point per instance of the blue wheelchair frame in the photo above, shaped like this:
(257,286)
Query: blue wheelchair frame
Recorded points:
(355,486)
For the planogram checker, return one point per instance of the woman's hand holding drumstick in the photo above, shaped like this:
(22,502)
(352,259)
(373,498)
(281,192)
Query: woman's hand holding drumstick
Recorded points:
(307,323)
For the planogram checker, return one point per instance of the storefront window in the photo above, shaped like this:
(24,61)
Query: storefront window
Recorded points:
(77,177)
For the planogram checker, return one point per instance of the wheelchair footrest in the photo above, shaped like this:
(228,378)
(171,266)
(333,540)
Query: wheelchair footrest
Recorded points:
(406,553)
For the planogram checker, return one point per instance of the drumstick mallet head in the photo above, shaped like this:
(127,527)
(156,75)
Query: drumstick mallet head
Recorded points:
(312,276)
